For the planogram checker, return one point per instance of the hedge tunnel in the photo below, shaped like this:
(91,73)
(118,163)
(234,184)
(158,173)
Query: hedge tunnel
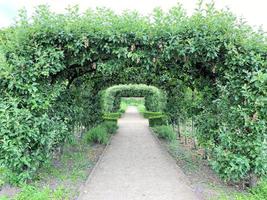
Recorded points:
(154,98)
(53,68)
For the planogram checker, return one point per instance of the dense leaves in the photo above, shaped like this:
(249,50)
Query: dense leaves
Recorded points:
(154,97)
(54,67)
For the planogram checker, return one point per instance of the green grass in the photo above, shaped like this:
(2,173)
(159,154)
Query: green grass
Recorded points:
(257,193)
(71,167)
(30,192)
(74,163)
(165,132)
(2,177)
(110,126)
(182,155)
(99,134)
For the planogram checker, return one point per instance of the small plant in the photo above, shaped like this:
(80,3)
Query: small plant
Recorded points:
(158,120)
(110,126)
(1,183)
(2,177)
(165,132)
(34,193)
(99,134)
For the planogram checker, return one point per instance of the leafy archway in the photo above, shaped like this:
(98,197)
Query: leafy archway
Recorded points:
(54,66)
(154,98)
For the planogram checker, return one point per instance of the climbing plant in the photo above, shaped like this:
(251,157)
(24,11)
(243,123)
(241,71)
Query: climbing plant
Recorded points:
(54,67)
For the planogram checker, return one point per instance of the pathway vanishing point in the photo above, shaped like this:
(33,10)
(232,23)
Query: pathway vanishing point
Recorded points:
(136,167)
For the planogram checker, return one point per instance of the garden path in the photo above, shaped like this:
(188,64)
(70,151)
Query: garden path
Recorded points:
(136,167)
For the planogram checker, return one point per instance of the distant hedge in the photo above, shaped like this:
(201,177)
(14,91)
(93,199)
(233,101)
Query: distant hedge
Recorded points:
(155,99)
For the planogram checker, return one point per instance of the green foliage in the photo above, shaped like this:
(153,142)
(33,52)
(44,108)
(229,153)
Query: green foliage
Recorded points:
(154,98)
(110,126)
(112,115)
(209,66)
(157,120)
(230,166)
(35,193)
(165,132)
(99,134)
(111,119)
(257,193)
(148,114)
(132,101)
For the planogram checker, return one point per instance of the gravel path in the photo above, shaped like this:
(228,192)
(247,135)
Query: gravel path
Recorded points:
(136,167)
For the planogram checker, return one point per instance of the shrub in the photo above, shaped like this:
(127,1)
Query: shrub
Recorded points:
(230,166)
(157,120)
(110,119)
(148,114)
(257,193)
(165,132)
(113,115)
(99,134)
(110,126)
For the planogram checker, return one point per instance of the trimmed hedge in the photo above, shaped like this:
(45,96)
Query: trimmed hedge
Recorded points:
(148,114)
(155,99)
(158,120)
(112,115)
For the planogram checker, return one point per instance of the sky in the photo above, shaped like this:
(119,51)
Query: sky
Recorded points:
(253,11)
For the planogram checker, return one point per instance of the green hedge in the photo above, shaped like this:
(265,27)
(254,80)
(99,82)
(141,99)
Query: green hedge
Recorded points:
(148,114)
(113,115)
(157,120)
(155,98)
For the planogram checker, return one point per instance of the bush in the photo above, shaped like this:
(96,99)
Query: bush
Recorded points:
(110,119)
(157,120)
(148,114)
(99,134)
(110,126)
(113,115)
(257,193)
(165,132)
(230,166)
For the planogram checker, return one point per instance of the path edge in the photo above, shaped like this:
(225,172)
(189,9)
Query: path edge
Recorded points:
(89,177)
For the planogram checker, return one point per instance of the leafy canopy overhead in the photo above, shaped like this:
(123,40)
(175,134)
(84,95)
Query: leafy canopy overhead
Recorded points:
(53,68)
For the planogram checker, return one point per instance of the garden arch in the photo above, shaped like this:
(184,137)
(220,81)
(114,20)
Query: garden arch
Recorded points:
(54,66)
(154,98)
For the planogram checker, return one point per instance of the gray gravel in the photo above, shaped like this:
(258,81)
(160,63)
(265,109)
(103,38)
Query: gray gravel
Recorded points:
(136,167)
